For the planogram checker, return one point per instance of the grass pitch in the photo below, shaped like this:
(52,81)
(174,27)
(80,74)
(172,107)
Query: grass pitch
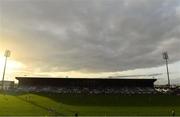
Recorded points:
(45,104)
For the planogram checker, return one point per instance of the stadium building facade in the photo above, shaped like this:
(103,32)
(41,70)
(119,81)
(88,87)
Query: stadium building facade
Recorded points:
(87,85)
(85,82)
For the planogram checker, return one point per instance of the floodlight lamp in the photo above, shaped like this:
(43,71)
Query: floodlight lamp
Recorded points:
(165,55)
(7,53)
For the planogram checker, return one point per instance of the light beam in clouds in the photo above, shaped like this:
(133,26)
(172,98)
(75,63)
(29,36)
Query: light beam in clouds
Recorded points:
(91,37)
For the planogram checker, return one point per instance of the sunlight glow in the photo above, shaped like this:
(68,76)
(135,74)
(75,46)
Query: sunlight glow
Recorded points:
(12,66)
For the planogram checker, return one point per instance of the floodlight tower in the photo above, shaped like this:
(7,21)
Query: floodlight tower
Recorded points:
(6,54)
(166,57)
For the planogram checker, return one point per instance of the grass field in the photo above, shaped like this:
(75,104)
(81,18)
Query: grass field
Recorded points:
(61,104)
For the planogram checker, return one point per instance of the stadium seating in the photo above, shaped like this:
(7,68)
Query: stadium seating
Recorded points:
(85,90)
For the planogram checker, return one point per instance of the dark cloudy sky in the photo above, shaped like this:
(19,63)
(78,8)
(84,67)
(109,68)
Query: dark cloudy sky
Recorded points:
(91,36)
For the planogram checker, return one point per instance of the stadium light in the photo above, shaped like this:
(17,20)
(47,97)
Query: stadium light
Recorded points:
(6,54)
(166,57)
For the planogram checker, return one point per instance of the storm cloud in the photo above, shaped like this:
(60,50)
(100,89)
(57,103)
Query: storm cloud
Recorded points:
(91,35)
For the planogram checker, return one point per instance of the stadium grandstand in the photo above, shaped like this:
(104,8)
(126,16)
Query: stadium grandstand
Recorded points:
(87,85)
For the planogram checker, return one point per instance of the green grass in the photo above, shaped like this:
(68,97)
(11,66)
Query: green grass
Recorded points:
(61,104)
